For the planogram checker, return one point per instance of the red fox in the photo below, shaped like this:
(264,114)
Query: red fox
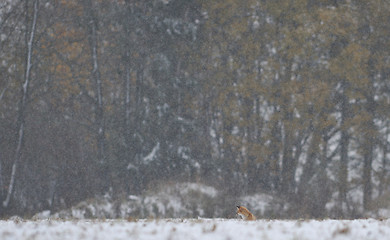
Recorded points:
(244,213)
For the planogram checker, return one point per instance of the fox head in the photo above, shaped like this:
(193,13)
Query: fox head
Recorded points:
(240,210)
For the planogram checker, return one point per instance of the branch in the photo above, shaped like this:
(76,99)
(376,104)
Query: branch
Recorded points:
(4,90)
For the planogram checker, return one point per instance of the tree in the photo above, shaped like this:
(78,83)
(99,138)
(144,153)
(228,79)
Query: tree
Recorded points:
(91,19)
(368,130)
(31,25)
(284,97)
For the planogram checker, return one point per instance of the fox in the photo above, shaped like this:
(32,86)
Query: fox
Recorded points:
(244,213)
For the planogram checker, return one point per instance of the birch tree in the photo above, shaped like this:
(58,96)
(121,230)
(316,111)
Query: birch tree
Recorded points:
(31,22)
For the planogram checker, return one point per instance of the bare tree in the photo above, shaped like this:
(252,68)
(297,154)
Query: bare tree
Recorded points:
(344,143)
(30,34)
(92,23)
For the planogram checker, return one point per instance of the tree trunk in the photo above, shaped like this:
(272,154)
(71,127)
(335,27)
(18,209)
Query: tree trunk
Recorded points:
(99,94)
(309,168)
(1,186)
(92,25)
(383,172)
(23,102)
(323,191)
(344,143)
(368,148)
(367,186)
(127,104)
(288,161)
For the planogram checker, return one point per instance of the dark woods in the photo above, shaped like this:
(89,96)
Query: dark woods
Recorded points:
(289,98)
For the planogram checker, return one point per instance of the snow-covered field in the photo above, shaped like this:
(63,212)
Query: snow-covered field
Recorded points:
(212,229)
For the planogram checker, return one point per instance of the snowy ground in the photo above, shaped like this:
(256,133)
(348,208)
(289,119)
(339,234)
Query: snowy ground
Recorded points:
(194,229)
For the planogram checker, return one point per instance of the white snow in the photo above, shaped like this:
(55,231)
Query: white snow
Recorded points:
(179,200)
(152,155)
(259,203)
(213,229)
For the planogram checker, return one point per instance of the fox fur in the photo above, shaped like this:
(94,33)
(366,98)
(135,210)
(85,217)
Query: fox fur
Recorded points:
(244,213)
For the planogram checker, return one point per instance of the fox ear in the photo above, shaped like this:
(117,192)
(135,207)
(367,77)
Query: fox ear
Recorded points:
(238,207)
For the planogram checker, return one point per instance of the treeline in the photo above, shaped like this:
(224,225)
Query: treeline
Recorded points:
(289,98)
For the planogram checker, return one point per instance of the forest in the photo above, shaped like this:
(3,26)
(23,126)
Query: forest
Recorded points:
(289,98)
